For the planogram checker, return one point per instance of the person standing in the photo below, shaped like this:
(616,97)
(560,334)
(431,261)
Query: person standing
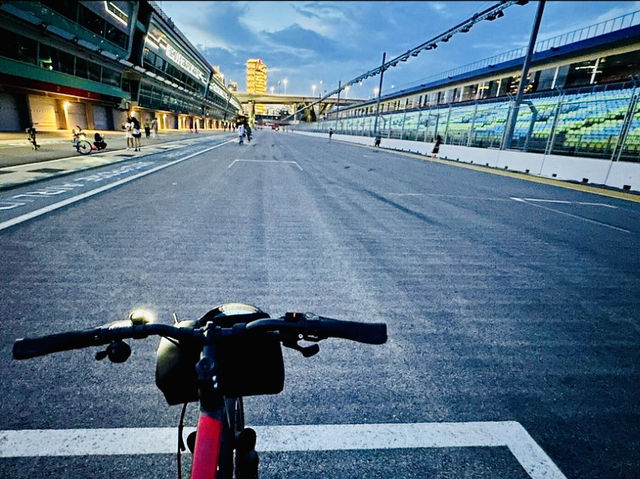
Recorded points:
(240,134)
(128,133)
(436,147)
(330,133)
(147,129)
(136,133)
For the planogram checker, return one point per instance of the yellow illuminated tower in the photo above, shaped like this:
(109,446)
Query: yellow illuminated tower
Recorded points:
(257,79)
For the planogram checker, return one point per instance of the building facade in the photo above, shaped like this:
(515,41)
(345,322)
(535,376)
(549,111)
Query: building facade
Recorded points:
(66,62)
(257,80)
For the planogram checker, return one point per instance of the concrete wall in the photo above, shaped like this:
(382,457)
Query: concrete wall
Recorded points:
(616,174)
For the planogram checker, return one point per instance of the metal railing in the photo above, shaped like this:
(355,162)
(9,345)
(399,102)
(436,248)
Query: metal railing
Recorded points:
(597,29)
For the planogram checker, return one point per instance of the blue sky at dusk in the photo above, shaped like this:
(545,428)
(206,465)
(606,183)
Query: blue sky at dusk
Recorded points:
(323,42)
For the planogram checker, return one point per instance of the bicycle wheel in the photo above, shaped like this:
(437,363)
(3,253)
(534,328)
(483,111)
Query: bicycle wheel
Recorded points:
(83,147)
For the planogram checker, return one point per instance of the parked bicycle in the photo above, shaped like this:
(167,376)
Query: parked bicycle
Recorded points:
(80,142)
(234,350)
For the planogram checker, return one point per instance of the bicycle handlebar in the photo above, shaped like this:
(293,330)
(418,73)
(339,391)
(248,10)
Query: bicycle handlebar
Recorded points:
(368,333)
(316,329)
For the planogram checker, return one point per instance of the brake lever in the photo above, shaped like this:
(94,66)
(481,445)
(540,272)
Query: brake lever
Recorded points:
(306,351)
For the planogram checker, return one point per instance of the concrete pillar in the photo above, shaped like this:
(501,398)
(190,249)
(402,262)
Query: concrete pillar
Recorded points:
(61,115)
(91,125)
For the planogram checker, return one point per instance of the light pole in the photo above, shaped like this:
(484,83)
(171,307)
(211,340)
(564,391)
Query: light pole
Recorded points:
(284,82)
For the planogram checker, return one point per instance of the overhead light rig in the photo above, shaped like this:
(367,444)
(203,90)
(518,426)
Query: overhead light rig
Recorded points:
(489,14)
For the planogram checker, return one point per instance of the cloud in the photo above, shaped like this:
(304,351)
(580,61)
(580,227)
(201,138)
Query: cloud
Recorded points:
(302,39)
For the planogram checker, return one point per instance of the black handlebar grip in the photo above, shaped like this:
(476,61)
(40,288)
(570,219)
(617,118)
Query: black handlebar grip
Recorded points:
(26,348)
(369,333)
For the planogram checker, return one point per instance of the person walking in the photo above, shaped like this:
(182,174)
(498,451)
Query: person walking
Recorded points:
(378,140)
(147,129)
(154,127)
(241,134)
(436,147)
(31,131)
(330,133)
(247,129)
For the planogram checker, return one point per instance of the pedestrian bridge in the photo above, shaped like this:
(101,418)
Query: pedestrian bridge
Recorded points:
(297,102)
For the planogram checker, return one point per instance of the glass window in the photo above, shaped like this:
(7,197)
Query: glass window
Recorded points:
(561,77)
(505,85)
(81,68)
(91,21)
(469,92)
(53,59)
(45,58)
(93,71)
(17,47)
(110,77)
(159,62)
(65,63)
(616,68)
(580,73)
(545,79)
(67,8)
(115,35)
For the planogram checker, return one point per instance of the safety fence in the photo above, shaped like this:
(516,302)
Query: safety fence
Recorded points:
(598,124)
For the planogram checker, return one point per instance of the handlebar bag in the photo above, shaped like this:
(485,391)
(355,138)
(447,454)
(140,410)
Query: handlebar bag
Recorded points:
(246,365)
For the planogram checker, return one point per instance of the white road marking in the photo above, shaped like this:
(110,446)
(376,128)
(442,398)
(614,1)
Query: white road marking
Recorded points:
(524,200)
(82,196)
(406,194)
(587,203)
(332,437)
(265,161)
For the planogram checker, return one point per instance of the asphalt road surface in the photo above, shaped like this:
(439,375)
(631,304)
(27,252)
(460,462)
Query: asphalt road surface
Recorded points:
(513,310)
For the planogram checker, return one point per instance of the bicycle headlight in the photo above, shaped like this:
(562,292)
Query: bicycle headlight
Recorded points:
(141,316)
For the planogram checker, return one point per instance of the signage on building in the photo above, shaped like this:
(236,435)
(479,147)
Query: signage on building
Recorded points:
(179,59)
(158,39)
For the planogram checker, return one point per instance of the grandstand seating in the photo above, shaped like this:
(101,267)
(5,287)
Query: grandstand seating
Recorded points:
(587,124)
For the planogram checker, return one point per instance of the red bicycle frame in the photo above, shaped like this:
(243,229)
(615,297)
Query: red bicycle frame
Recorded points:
(206,453)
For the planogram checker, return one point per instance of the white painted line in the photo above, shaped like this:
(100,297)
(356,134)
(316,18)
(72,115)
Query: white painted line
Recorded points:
(523,200)
(82,196)
(332,437)
(587,203)
(265,161)
(406,194)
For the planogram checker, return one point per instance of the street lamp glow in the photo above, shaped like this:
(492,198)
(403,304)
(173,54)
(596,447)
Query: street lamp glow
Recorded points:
(376,90)
(284,82)
(313,90)
(271,88)
(346,91)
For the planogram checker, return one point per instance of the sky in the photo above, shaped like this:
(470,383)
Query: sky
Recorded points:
(321,42)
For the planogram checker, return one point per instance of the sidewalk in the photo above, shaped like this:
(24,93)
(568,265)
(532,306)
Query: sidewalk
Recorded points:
(16,150)
(20,165)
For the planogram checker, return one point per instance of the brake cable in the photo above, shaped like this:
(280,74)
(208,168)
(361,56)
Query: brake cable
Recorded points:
(181,445)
